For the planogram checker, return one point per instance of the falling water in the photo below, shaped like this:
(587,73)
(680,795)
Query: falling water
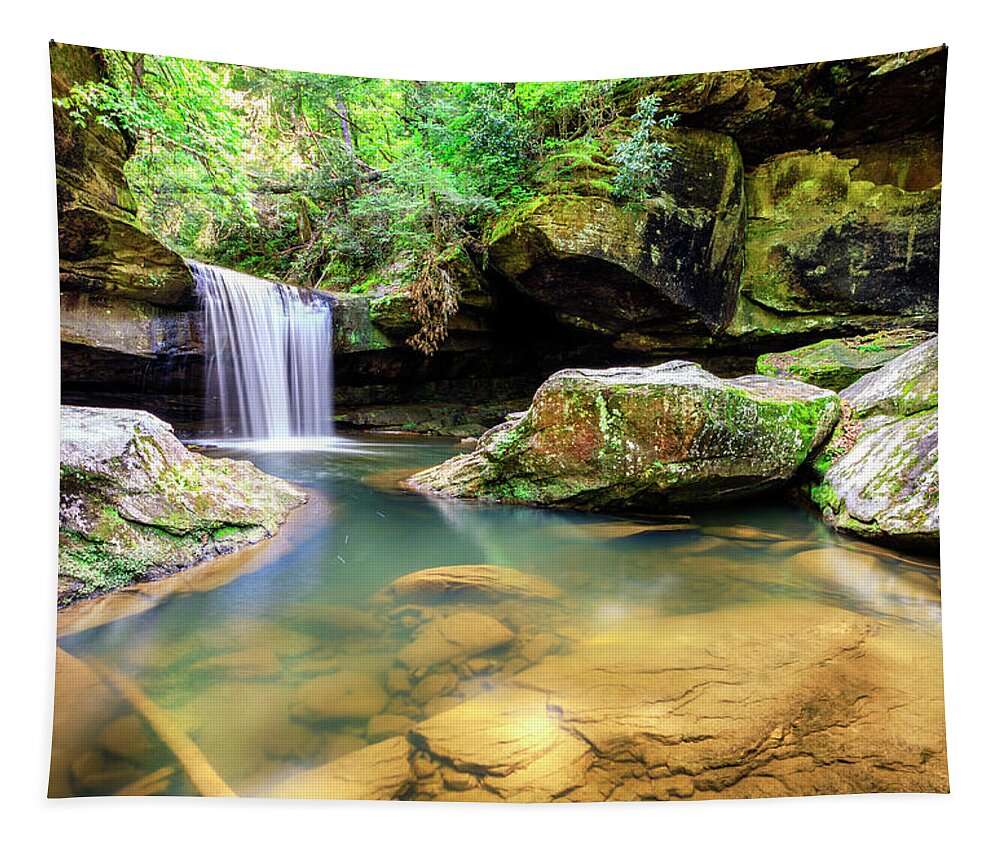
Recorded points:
(269,349)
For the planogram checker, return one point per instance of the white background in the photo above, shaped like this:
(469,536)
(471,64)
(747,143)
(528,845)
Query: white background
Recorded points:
(501,40)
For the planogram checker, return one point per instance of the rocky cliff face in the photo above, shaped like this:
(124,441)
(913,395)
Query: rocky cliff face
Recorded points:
(102,247)
(659,275)
(800,201)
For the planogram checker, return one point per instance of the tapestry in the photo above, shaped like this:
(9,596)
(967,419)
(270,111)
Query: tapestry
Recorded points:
(498,442)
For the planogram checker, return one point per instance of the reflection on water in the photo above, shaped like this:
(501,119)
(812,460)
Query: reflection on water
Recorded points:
(298,663)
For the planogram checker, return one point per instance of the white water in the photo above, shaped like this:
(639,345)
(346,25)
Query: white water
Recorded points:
(269,349)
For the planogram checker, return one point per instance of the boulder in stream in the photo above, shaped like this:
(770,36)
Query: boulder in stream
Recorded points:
(634,437)
(836,364)
(136,504)
(470,580)
(878,476)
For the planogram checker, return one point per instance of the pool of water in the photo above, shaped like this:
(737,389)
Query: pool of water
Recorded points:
(232,665)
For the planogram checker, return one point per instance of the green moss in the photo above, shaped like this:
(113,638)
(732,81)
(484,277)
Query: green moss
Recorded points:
(509,221)
(95,566)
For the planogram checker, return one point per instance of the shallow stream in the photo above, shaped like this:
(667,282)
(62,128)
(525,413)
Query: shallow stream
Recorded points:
(230,664)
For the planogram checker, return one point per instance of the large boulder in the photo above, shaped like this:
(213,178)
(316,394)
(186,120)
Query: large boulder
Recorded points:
(136,504)
(102,247)
(651,276)
(878,477)
(835,364)
(827,251)
(651,437)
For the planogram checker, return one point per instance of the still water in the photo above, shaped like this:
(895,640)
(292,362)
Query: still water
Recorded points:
(232,665)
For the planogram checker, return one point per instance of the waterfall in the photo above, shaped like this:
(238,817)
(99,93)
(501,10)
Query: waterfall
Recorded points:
(269,351)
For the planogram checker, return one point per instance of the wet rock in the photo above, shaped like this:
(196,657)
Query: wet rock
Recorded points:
(441,704)
(250,664)
(470,580)
(384,726)
(336,697)
(290,742)
(126,738)
(709,705)
(377,772)
(621,529)
(135,503)
(835,364)
(455,637)
(397,681)
(743,533)
(539,646)
(878,477)
(652,437)
(340,743)
(512,741)
(434,685)
(908,385)
(478,665)
(94,774)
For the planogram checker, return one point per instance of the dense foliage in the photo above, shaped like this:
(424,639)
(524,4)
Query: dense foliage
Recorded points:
(347,183)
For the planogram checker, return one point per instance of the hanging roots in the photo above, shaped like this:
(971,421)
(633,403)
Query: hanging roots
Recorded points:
(433,301)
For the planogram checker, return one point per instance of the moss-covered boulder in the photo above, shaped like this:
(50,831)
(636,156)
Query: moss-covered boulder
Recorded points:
(654,276)
(102,247)
(136,504)
(878,476)
(652,437)
(835,364)
(828,251)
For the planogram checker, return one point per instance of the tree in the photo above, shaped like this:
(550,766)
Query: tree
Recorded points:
(642,160)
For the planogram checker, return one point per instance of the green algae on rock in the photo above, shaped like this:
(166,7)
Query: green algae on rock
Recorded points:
(135,503)
(835,364)
(651,437)
(827,251)
(884,485)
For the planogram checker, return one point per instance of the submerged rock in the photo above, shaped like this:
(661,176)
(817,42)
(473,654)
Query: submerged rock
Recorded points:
(376,773)
(835,364)
(456,637)
(746,701)
(135,503)
(643,437)
(337,697)
(470,580)
(878,477)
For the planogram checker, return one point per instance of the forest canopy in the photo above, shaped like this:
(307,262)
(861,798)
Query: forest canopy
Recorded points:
(348,183)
